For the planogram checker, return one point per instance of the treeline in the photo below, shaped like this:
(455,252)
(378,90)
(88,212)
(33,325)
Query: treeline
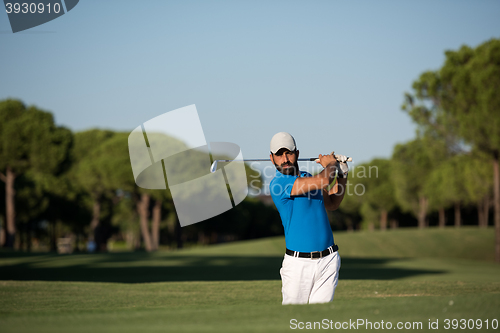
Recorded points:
(413,189)
(454,160)
(58,185)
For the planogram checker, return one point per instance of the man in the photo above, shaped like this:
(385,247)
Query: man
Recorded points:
(311,264)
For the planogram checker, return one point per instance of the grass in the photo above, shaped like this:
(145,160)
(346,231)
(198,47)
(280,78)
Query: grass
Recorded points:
(395,276)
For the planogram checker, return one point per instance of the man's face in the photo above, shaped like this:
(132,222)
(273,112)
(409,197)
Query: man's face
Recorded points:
(286,161)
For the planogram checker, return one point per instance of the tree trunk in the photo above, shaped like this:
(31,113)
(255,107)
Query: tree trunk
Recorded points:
(422,212)
(214,237)
(486,212)
(442,217)
(496,182)
(155,226)
(10,210)
(53,237)
(480,213)
(94,223)
(202,238)
(383,219)
(483,209)
(350,224)
(2,235)
(394,224)
(458,215)
(77,242)
(29,239)
(371,226)
(178,233)
(143,210)
(21,235)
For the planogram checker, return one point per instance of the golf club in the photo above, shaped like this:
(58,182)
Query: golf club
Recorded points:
(213,168)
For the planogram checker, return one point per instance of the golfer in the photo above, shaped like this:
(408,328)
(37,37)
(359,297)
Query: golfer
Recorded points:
(311,265)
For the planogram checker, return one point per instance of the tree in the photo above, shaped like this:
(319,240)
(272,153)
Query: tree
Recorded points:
(355,190)
(379,198)
(412,163)
(29,141)
(470,85)
(464,93)
(439,129)
(89,177)
(152,202)
(32,202)
(479,185)
(446,186)
(103,170)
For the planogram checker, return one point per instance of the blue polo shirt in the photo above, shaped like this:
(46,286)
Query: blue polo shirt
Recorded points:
(304,217)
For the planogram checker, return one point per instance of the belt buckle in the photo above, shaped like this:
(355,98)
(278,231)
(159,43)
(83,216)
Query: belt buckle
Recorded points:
(320,254)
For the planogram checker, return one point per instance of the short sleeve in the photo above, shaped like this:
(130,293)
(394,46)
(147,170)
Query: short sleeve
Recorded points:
(287,192)
(281,187)
(289,181)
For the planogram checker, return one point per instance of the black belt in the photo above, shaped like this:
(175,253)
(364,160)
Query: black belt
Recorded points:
(313,255)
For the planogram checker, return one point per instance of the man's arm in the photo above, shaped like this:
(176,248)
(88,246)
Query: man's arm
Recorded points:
(333,198)
(320,181)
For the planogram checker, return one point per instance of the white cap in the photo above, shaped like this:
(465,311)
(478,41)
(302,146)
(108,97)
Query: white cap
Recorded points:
(282,140)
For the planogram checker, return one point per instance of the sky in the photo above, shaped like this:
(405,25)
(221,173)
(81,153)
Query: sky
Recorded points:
(331,73)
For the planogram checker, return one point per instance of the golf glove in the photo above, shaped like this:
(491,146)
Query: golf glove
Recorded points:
(341,158)
(342,169)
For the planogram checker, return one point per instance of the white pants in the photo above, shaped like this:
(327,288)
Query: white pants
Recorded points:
(309,280)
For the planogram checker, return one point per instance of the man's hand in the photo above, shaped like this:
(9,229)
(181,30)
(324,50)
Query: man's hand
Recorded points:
(343,169)
(322,180)
(334,196)
(324,160)
(340,158)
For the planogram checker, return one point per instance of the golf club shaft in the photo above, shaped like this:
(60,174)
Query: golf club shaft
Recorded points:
(214,165)
(265,160)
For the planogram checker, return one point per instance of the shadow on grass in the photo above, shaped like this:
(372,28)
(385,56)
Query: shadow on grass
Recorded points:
(163,267)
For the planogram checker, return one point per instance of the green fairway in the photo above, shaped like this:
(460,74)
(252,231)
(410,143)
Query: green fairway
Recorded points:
(412,277)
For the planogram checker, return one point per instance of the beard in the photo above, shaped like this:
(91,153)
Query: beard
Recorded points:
(291,171)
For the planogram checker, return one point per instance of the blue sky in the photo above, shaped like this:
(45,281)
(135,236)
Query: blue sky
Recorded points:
(331,73)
